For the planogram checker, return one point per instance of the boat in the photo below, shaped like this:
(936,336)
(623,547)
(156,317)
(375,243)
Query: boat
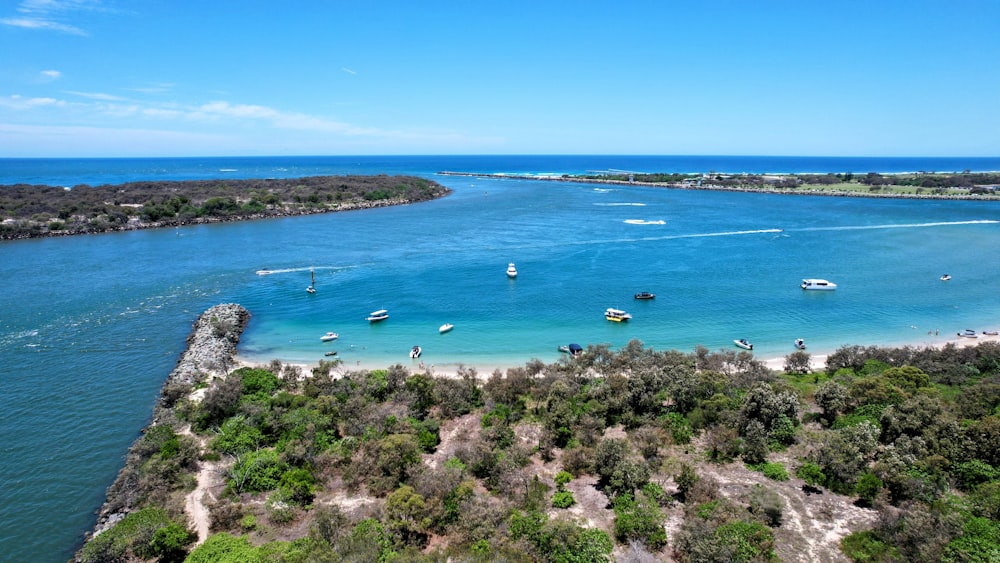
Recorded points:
(445,328)
(616,315)
(818,284)
(264,272)
(511,271)
(991,332)
(743,343)
(968,333)
(573,349)
(331,353)
(800,344)
(945,277)
(645,295)
(415,352)
(376,316)
(329,336)
(312,284)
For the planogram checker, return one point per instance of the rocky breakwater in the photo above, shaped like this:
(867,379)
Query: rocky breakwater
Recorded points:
(211,349)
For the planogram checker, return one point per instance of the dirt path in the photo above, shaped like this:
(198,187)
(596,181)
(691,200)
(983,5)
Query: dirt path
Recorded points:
(208,478)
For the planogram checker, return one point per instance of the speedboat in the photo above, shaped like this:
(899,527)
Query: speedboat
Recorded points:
(572,349)
(945,277)
(263,272)
(415,352)
(743,343)
(445,328)
(616,315)
(329,336)
(991,332)
(818,284)
(376,316)
(511,270)
(331,353)
(968,333)
(800,344)
(645,295)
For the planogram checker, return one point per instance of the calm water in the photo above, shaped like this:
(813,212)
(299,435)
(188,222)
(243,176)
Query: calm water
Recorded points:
(90,326)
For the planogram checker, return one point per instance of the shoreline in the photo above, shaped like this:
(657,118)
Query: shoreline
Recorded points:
(719,188)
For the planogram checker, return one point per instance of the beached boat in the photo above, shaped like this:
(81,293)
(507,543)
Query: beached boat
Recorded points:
(445,328)
(511,270)
(800,344)
(945,277)
(991,332)
(415,352)
(818,284)
(645,295)
(312,283)
(329,336)
(968,333)
(376,316)
(743,343)
(616,315)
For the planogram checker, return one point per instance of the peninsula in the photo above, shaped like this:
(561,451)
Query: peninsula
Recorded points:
(30,211)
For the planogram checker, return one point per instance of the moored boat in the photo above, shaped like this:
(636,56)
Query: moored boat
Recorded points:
(511,270)
(331,353)
(945,277)
(329,336)
(818,284)
(616,315)
(645,295)
(743,343)
(968,333)
(445,328)
(415,352)
(800,344)
(377,316)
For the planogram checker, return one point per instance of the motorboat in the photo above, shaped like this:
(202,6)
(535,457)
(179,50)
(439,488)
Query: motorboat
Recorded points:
(329,336)
(511,271)
(573,349)
(312,283)
(946,277)
(991,332)
(616,315)
(968,333)
(445,328)
(743,343)
(376,316)
(645,295)
(331,353)
(415,352)
(800,344)
(818,284)
(264,272)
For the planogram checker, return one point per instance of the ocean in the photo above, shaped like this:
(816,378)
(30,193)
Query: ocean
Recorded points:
(90,326)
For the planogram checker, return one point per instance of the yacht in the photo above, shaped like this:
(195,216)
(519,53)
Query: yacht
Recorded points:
(329,336)
(511,270)
(616,315)
(645,295)
(445,328)
(818,284)
(379,315)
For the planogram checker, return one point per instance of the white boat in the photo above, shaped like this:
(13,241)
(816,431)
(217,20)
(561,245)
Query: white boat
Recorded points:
(329,336)
(379,315)
(818,284)
(616,315)
(945,277)
(415,352)
(511,270)
(968,333)
(264,272)
(743,343)
(991,332)
(312,283)
(445,328)
(800,344)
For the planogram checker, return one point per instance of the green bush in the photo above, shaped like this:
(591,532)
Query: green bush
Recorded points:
(865,547)
(563,499)
(639,519)
(771,470)
(136,536)
(225,548)
(256,472)
(811,473)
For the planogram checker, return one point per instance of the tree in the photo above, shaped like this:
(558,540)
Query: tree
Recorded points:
(831,397)
(407,516)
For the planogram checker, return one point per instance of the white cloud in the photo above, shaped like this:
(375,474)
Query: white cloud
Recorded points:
(51,15)
(49,75)
(97,96)
(347,70)
(17,102)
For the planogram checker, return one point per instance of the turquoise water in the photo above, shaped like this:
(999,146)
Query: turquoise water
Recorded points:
(90,326)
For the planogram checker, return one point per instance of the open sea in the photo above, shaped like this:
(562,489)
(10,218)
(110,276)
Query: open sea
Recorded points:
(90,326)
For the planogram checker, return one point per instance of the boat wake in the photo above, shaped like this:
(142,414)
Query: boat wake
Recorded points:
(269,272)
(901,226)
(645,222)
(623,204)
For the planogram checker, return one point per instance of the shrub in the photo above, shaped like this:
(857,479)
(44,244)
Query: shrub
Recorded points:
(767,505)
(563,499)
(811,473)
(865,547)
(639,519)
(225,548)
(771,470)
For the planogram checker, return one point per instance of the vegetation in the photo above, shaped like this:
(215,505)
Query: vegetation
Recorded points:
(33,211)
(911,435)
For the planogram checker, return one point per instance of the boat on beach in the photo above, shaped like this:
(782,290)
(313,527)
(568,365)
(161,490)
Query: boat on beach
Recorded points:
(616,315)
(818,284)
(329,336)
(376,316)
(743,343)
(991,332)
(645,295)
(968,333)
(415,352)
(445,328)
(511,270)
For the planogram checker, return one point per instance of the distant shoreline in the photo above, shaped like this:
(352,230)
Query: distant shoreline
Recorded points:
(994,196)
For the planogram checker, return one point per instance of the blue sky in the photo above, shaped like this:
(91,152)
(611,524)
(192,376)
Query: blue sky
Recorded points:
(192,78)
